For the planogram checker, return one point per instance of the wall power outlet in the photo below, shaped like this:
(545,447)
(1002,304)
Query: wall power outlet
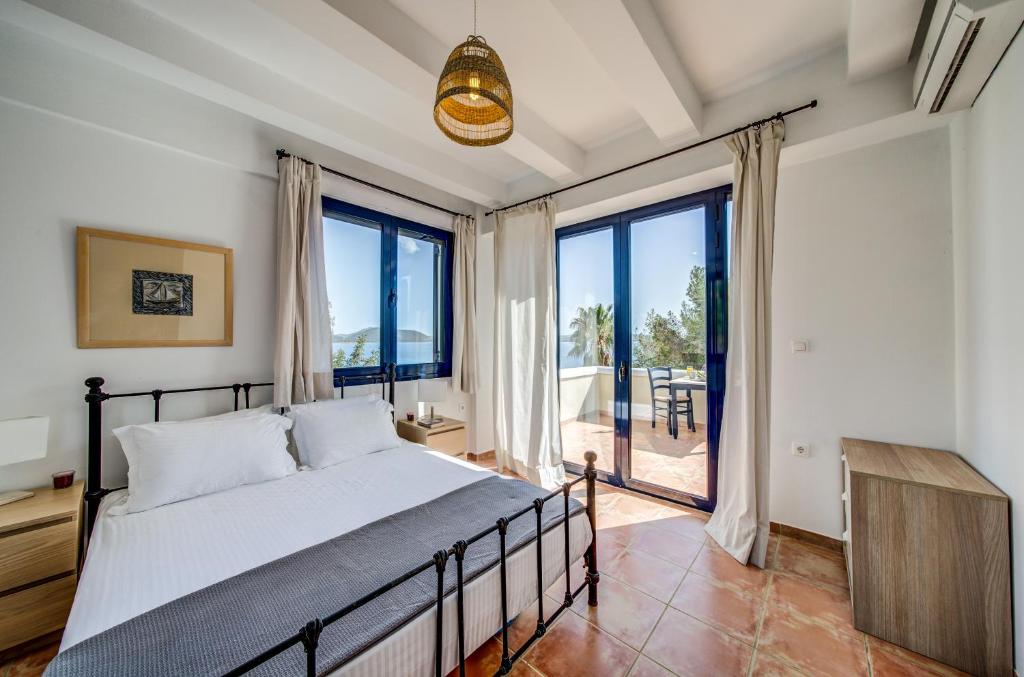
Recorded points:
(801,449)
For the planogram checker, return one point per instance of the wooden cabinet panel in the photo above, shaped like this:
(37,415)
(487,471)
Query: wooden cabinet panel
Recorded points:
(35,611)
(449,437)
(39,550)
(452,442)
(37,553)
(929,555)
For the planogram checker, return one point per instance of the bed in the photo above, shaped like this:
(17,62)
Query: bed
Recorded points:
(139,564)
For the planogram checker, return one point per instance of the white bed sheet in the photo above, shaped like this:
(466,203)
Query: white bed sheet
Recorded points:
(139,561)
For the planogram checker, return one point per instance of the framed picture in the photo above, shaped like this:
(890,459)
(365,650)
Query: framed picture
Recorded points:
(136,291)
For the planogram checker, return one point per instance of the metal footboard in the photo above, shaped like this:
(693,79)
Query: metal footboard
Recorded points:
(308,636)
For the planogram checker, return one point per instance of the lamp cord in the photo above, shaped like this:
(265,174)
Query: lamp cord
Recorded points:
(474,17)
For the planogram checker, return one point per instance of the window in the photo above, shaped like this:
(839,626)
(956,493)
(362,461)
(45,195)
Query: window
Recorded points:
(389,287)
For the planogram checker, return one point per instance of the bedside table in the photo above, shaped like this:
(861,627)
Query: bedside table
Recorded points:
(39,551)
(449,437)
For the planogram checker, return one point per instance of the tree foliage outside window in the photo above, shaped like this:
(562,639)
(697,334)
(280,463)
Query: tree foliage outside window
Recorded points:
(675,340)
(357,357)
(593,331)
(670,340)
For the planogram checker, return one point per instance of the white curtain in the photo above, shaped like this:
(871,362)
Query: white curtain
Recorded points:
(302,356)
(464,367)
(527,438)
(740,522)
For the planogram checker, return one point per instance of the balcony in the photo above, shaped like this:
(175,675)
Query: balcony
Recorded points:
(587,422)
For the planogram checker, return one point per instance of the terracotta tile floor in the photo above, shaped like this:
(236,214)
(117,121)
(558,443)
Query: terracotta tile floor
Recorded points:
(673,603)
(657,457)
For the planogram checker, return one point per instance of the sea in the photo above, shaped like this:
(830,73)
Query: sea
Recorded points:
(409,352)
(564,361)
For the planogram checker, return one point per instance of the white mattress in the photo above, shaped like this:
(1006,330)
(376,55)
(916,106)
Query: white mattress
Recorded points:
(139,561)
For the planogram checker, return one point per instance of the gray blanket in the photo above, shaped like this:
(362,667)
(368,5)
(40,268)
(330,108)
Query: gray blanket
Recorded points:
(216,629)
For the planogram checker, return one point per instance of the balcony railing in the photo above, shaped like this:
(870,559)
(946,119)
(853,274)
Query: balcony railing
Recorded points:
(588,392)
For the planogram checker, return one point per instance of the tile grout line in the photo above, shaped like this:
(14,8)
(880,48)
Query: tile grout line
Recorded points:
(770,561)
(667,606)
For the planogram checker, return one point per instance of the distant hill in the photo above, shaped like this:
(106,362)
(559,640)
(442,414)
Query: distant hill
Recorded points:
(373,336)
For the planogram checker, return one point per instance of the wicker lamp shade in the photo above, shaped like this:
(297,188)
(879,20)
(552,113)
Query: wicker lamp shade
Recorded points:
(474,99)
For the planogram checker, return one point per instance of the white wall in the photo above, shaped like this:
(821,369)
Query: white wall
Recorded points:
(864,272)
(86,143)
(57,175)
(989,239)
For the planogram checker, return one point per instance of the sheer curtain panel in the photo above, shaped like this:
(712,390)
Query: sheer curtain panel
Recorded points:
(527,437)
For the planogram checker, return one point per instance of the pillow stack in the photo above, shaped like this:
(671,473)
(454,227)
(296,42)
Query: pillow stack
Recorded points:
(178,460)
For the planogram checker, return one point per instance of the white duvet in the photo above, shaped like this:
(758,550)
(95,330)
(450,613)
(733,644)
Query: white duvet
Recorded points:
(139,561)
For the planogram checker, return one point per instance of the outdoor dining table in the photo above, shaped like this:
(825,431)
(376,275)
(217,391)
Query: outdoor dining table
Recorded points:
(687,384)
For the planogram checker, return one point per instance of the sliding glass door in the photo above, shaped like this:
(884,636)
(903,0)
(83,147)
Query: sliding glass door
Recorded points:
(642,336)
(586,345)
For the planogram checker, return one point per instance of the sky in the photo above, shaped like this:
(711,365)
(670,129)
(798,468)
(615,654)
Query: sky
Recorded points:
(662,252)
(353,278)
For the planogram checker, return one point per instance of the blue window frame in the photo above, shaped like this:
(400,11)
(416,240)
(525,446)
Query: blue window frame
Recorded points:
(716,204)
(389,281)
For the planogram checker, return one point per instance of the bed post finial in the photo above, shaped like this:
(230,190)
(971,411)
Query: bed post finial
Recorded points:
(593,576)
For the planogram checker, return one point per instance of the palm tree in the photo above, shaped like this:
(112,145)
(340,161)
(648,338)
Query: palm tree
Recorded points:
(592,334)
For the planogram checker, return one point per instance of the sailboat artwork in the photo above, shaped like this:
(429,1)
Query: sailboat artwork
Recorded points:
(156,293)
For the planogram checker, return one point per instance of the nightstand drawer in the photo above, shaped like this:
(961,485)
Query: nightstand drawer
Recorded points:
(452,442)
(36,553)
(35,611)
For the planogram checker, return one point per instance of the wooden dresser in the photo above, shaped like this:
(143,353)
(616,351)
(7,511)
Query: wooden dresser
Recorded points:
(927,546)
(39,551)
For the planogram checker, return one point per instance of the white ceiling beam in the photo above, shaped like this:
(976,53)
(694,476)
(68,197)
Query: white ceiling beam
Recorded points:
(880,35)
(384,40)
(848,115)
(135,38)
(627,39)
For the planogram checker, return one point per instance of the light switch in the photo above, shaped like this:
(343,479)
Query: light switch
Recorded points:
(798,345)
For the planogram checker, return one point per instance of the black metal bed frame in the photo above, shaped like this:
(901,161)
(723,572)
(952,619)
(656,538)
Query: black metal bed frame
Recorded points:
(308,636)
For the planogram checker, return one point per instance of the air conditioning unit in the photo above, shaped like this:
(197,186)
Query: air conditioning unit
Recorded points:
(965,41)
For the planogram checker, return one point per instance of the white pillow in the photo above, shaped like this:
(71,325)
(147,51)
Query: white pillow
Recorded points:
(173,461)
(334,431)
(241,413)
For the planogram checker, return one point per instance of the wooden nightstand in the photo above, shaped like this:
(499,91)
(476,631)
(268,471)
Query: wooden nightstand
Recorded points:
(449,437)
(39,551)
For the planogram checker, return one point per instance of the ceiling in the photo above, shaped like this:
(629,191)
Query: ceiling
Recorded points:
(589,76)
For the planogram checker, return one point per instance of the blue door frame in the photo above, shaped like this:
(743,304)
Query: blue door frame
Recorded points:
(714,202)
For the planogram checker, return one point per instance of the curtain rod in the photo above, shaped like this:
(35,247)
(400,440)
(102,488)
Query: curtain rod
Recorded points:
(778,116)
(281,152)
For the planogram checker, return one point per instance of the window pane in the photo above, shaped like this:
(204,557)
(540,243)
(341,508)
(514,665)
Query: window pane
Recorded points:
(352,253)
(419,311)
(668,403)
(586,350)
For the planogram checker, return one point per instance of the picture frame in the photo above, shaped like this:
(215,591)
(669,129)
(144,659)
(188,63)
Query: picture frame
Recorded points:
(137,291)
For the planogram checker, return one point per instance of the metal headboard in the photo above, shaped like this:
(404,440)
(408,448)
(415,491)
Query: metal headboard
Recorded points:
(95,397)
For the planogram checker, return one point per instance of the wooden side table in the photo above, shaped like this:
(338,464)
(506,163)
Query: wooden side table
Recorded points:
(449,437)
(39,555)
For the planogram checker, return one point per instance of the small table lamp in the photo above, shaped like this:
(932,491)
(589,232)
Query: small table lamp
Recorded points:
(22,439)
(431,390)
